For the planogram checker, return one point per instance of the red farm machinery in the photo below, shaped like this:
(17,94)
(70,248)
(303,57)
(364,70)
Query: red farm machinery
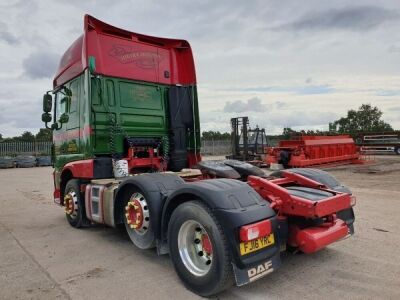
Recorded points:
(126,134)
(313,150)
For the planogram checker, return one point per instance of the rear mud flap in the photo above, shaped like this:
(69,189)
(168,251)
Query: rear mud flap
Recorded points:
(256,271)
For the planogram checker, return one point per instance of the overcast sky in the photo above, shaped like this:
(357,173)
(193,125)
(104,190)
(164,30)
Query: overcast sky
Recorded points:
(293,63)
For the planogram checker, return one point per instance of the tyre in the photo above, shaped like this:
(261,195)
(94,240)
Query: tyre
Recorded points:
(199,250)
(137,219)
(397,150)
(74,204)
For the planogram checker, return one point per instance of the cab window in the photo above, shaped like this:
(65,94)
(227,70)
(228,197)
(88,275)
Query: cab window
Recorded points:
(74,98)
(61,105)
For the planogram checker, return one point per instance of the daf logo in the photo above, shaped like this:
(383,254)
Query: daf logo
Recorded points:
(260,271)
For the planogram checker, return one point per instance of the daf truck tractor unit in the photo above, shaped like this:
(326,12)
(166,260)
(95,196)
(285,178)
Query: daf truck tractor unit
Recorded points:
(126,133)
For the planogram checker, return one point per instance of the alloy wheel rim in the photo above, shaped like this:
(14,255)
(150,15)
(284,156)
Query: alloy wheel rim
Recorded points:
(195,248)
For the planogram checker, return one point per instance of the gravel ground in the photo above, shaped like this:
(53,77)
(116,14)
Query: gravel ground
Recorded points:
(42,257)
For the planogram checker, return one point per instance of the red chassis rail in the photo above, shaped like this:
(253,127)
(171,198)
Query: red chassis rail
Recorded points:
(309,239)
(286,204)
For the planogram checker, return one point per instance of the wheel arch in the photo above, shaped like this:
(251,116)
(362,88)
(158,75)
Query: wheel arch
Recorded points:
(66,175)
(173,202)
(221,195)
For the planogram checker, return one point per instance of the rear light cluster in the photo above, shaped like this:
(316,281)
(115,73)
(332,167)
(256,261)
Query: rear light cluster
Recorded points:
(255,230)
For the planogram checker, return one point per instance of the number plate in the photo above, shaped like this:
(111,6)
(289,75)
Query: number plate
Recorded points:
(257,244)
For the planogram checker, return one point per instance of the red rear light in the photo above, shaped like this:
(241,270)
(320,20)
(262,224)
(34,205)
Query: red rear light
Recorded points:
(255,230)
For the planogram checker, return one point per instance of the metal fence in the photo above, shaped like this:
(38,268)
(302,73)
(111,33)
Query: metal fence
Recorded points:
(25,148)
(208,147)
(216,147)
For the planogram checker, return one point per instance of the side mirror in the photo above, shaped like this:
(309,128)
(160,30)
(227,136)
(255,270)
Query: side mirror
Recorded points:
(47,103)
(64,118)
(46,117)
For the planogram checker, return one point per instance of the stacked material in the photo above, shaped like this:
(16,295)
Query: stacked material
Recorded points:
(25,161)
(43,161)
(6,162)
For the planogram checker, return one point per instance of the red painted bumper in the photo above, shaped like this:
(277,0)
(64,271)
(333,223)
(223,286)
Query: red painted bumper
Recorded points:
(312,239)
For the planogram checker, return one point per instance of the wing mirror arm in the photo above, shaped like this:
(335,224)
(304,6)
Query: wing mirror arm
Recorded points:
(58,125)
(47,106)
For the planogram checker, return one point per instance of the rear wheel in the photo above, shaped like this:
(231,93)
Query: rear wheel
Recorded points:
(137,219)
(199,250)
(74,204)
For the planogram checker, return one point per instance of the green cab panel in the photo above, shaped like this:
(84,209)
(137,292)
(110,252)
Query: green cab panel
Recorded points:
(103,111)
(126,108)
(140,96)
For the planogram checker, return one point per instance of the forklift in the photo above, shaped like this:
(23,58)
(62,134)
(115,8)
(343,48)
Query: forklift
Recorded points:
(247,144)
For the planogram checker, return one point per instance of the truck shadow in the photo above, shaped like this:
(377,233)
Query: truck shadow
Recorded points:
(295,268)
(118,236)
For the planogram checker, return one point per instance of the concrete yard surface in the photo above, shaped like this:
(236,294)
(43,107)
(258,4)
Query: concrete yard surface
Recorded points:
(43,257)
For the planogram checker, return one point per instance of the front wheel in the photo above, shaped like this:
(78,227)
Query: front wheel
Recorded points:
(74,204)
(199,249)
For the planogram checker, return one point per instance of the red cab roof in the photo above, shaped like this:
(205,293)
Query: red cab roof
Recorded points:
(121,53)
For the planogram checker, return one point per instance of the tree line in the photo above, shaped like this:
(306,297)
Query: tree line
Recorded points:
(44,135)
(366,118)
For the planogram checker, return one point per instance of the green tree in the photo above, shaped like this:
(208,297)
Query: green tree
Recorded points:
(215,135)
(44,135)
(27,136)
(366,119)
(289,132)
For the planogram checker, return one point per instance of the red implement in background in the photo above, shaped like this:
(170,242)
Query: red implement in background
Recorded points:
(307,151)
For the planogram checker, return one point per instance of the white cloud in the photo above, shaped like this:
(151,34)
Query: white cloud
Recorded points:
(348,51)
(251,105)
